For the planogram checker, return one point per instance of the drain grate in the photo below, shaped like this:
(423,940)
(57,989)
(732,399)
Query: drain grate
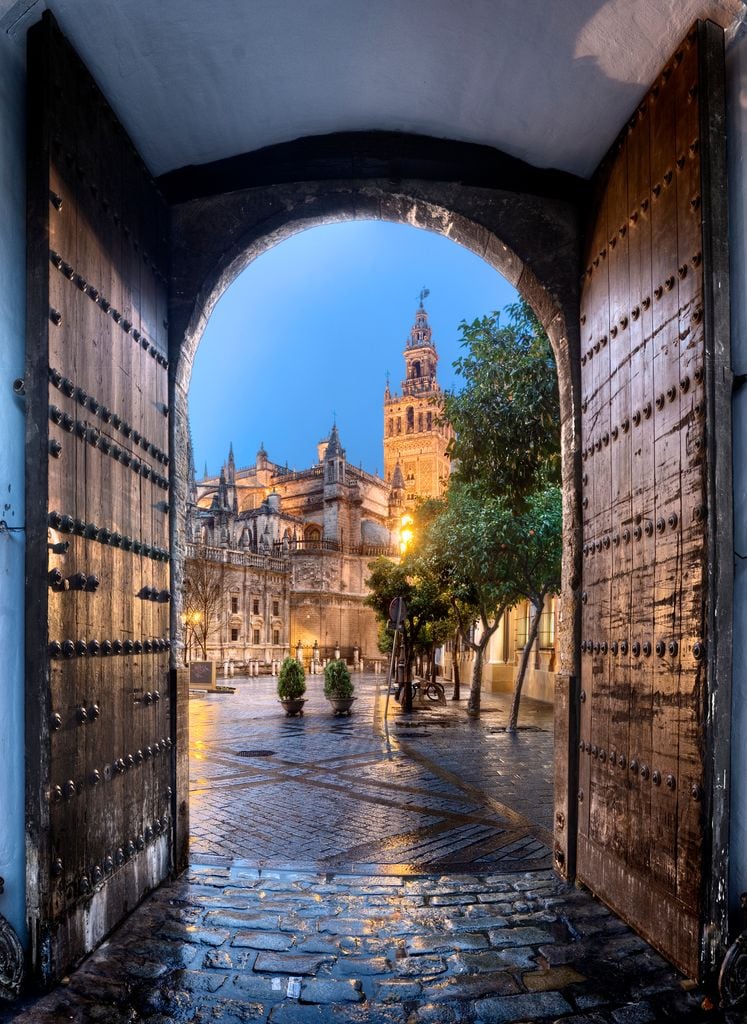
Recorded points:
(254,753)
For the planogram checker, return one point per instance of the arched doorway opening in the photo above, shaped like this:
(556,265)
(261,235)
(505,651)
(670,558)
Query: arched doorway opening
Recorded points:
(205,275)
(252,222)
(313,621)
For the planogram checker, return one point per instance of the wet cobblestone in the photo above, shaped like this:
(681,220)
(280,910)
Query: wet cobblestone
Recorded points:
(351,962)
(405,915)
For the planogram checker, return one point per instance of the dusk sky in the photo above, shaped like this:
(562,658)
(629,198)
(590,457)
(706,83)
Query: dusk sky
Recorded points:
(307,333)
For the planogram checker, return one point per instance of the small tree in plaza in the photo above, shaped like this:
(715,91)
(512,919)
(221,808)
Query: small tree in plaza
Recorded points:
(537,571)
(424,599)
(291,680)
(203,606)
(337,681)
(473,544)
(501,536)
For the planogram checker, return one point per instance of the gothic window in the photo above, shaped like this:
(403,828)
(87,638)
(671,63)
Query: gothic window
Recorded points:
(420,421)
(276,637)
(234,605)
(399,424)
(410,419)
(275,607)
(429,421)
(255,606)
(234,635)
(391,426)
(416,368)
(255,636)
(313,534)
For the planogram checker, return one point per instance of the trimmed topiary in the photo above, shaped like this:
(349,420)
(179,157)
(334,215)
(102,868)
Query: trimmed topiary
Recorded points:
(291,680)
(337,682)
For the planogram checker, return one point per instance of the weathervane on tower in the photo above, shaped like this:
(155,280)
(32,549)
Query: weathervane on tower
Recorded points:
(424,293)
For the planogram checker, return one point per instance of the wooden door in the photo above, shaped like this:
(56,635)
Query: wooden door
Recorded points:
(655,657)
(99,743)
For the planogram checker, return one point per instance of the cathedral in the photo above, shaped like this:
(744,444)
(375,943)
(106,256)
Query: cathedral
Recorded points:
(294,547)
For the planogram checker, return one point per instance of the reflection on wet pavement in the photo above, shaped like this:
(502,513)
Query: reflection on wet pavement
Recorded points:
(431,791)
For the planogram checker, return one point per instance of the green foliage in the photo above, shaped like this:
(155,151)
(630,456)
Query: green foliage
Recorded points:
(337,682)
(506,416)
(492,557)
(423,594)
(291,680)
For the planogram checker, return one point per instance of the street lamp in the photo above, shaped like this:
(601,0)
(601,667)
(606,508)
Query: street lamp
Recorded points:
(189,620)
(405,533)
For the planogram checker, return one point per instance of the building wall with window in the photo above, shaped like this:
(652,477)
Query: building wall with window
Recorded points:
(508,642)
(252,621)
(325,524)
(504,654)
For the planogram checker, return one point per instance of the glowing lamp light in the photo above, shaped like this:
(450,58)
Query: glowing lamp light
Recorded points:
(405,533)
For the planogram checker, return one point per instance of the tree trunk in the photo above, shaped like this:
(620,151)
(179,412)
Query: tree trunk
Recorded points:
(456,695)
(513,715)
(473,704)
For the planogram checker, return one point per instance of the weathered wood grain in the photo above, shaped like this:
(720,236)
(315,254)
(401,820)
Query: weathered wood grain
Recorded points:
(100,776)
(647,590)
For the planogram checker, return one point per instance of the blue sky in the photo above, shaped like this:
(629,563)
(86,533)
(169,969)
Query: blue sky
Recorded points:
(307,333)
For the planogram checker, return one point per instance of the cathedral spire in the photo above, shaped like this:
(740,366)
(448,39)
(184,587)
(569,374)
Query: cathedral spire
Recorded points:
(231,465)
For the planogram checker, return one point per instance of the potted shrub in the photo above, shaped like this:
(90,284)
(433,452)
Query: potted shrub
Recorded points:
(292,686)
(338,687)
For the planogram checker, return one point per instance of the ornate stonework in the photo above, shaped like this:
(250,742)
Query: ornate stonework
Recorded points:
(414,439)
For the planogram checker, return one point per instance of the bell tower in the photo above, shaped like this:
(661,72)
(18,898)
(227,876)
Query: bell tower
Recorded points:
(413,437)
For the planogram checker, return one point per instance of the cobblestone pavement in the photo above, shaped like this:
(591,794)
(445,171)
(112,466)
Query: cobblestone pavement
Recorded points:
(404,917)
(342,792)
(232,944)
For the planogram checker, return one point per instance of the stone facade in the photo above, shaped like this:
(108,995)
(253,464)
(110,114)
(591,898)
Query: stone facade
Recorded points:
(251,623)
(299,542)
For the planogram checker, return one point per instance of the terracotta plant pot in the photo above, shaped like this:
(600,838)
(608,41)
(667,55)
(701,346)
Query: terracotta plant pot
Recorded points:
(341,705)
(293,705)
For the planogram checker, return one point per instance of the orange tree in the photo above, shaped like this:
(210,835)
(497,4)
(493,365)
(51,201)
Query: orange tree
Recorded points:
(489,557)
(500,539)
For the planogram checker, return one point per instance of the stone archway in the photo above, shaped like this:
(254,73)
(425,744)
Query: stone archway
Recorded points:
(530,237)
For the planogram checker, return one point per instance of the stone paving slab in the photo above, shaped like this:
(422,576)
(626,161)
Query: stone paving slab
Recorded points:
(433,789)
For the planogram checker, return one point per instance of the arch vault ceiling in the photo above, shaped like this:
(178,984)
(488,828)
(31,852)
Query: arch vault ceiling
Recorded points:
(549,81)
